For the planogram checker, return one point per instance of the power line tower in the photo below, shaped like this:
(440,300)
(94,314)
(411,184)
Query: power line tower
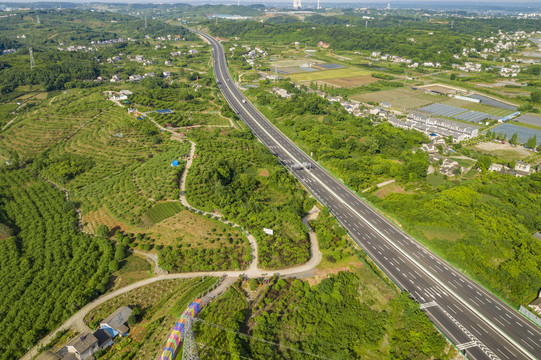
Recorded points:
(37,19)
(189,348)
(32,62)
(146,22)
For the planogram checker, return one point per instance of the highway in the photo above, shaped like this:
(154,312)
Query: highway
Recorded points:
(480,324)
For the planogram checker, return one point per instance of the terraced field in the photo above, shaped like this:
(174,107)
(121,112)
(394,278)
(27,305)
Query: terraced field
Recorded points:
(37,130)
(118,170)
(135,177)
(161,304)
(400,98)
(329,74)
(130,168)
(161,212)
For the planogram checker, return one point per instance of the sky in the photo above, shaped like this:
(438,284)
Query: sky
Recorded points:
(534,5)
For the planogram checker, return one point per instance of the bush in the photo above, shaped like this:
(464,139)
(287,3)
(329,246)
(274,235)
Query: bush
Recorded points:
(252,283)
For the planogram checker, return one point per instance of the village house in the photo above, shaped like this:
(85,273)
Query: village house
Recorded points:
(82,346)
(440,127)
(429,148)
(522,168)
(281,92)
(449,167)
(496,167)
(115,324)
(135,78)
(119,97)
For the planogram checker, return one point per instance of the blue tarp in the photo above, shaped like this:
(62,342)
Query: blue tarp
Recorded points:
(174,163)
(111,331)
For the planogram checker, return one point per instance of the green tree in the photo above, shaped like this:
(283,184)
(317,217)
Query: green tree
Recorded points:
(135,316)
(103,231)
(484,162)
(535,96)
(113,265)
(513,139)
(120,252)
(532,142)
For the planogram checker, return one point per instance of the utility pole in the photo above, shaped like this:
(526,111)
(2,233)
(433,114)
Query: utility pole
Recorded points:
(37,19)
(146,22)
(32,63)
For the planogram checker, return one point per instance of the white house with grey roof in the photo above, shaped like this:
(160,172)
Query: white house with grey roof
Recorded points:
(82,347)
(115,324)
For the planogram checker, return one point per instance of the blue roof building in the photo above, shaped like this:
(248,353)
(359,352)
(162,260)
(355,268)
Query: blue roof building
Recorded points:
(115,324)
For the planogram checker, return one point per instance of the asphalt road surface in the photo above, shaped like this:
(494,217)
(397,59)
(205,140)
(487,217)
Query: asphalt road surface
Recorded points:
(480,324)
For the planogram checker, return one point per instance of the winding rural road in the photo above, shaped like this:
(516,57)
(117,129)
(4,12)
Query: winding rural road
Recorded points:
(479,323)
(76,321)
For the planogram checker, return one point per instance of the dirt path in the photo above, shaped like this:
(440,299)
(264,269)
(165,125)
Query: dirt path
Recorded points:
(253,268)
(76,321)
(67,196)
(199,126)
(9,123)
(152,258)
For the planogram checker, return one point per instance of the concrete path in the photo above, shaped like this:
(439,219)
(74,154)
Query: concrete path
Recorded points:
(381,184)
(219,290)
(76,321)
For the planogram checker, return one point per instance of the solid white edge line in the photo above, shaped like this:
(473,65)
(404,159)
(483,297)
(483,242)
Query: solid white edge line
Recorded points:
(434,278)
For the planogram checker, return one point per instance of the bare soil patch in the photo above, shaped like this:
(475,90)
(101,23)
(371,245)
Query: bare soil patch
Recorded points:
(506,151)
(388,189)
(322,274)
(349,81)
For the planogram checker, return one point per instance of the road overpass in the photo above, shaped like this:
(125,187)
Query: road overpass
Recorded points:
(480,324)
